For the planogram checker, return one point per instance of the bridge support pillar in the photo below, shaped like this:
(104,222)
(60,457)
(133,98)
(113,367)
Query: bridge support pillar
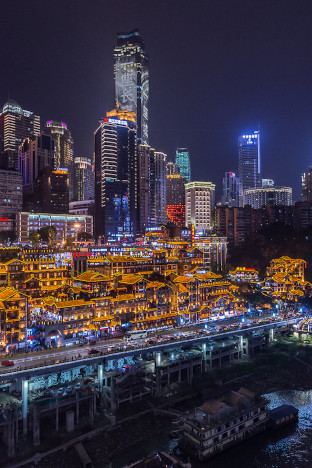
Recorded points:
(10,435)
(157,358)
(24,405)
(77,408)
(204,357)
(271,335)
(36,426)
(100,377)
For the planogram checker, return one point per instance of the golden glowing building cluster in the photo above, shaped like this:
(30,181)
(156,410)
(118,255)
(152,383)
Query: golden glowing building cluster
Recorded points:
(285,279)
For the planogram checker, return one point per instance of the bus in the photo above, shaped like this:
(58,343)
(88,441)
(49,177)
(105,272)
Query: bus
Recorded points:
(135,335)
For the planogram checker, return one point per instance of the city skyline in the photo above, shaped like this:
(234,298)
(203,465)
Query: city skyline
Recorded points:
(239,83)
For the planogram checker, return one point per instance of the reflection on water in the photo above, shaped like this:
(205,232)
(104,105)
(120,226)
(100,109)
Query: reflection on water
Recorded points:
(288,447)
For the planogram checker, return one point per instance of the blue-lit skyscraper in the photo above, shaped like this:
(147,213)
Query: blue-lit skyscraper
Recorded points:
(230,192)
(249,162)
(116,175)
(183,161)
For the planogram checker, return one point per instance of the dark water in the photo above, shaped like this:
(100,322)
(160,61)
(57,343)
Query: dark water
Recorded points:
(289,447)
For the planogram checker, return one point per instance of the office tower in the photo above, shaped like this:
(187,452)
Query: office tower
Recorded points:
(131,71)
(199,204)
(257,197)
(172,168)
(64,149)
(230,195)
(116,175)
(157,198)
(11,192)
(249,162)
(176,199)
(16,124)
(83,179)
(152,181)
(33,156)
(184,163)
(267,183)
(51,191)
(307,185)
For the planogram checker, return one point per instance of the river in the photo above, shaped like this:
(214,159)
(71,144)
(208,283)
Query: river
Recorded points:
(288,447)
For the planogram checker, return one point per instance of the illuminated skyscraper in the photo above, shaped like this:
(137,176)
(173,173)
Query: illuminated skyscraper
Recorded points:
(249,162)
(307,186)
(176,199)
(83,179)
(16,124)
(116,175)
(230,195)
(152,181)
(132,79)
(64,149)
(183,161)
(199,204)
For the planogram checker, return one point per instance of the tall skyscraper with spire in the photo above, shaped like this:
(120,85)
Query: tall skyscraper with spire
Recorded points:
(131,71)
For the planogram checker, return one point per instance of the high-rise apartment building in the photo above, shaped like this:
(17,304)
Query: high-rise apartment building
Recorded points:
(257,197)
(176,199)
(34,155)
(16,124)
(11,192)
(131,71)
(249,162)
(83,179)
(64,149)
(307,185)
(199,204)
(230,193)
(116,175)
(51,191)
(184,163)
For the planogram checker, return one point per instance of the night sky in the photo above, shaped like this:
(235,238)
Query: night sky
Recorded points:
(217,69)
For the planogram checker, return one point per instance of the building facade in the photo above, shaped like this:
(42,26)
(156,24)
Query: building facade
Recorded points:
(249,162)
(152,183)
(199,204)
(116,175)
(176,199)
(172,168)
(131,71)
(51,191)
(66,225)
(11,192)
(306,179)
(16,124)
(257,197)
(184,163)
(64,149)
(230,190)
(83,179)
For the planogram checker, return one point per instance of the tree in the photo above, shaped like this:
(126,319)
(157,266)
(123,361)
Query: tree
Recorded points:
(69,241)
(84,236)
(5,236)
(48,234)
(34,237)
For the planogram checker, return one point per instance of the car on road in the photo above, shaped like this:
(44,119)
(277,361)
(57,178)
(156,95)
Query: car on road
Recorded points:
(94,351)
(7,363)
